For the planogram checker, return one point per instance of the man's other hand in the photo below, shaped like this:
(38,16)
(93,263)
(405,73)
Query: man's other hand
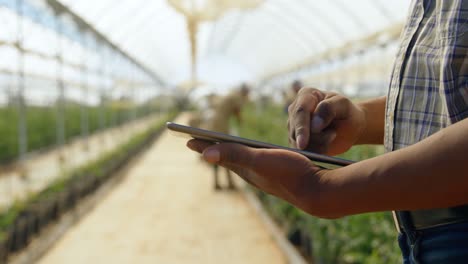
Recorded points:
(324,122)
(285,174)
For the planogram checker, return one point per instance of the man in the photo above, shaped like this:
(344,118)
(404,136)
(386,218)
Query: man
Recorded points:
(204,112)
(425,131)
(223,110)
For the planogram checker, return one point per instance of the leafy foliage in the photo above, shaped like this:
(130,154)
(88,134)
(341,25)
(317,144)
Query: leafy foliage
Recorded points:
(41,123)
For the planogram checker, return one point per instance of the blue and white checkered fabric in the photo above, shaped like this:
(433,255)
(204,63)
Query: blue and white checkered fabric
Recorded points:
(429,84)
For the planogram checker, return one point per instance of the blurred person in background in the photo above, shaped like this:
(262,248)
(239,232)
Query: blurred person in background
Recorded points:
(423,124)
(225,108)
(290,94)
(204,112)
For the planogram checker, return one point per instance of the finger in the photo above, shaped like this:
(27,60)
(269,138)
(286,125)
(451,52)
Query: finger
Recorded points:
(245,174)
(262,161)
(230,153)
(291,133)
(320,142)
(256,172)
(291,136)
(198,145)
(300,114)
(332,108)
(301,122)
(238,158)
(244,162)
(264,168)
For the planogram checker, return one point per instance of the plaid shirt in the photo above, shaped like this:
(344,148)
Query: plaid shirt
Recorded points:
(429,84)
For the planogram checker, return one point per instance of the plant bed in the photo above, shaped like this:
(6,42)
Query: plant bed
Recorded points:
(19,234)
(118,161)
(50,207)
(40,210)
(94,184)
(79,188)
(53,211)
(32,223)
(3,252)
(295,236)
(62,201)
(8,220)
(70,199)
(40,118)
(26,219)
(107,170)
(307,247)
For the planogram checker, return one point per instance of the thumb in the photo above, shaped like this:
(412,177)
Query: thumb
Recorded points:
(332,108)
(227,154)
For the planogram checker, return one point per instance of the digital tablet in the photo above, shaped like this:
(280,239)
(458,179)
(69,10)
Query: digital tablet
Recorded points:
(216,137)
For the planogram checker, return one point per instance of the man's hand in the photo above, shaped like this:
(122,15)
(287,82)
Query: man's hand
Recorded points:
(324,122)
(285,174)
(406,179)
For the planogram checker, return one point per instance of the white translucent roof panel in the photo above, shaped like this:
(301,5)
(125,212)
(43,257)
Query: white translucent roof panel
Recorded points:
(245,44)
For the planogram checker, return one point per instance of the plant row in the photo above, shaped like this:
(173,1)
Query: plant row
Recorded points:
(42,122)
(26,219)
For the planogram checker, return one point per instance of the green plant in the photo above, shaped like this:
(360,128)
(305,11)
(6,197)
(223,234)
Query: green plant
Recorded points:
(3,236)
(7,217)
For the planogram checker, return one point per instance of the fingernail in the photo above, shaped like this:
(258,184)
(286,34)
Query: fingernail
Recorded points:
(211,155)
(332,137)
(317,123)
(301,144)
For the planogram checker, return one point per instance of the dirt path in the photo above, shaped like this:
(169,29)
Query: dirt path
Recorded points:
(165,211)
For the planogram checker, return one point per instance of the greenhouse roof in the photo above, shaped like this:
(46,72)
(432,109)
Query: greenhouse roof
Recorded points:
(240,44)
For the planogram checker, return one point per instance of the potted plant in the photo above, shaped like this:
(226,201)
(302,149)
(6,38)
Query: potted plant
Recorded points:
(8,222)
(4,245)
(81,185)
(49,209)
(62,200)
(306,246)
(19,234)
(39,209)
(31,222)
(53,208)
(71,197)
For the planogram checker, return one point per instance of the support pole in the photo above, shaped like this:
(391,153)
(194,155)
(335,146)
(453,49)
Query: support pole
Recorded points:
(21,107)
(102,92)
(60,104)
(84,110)
(133,90)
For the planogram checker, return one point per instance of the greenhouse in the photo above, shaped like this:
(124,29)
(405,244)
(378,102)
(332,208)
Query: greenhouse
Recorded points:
(89,172)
